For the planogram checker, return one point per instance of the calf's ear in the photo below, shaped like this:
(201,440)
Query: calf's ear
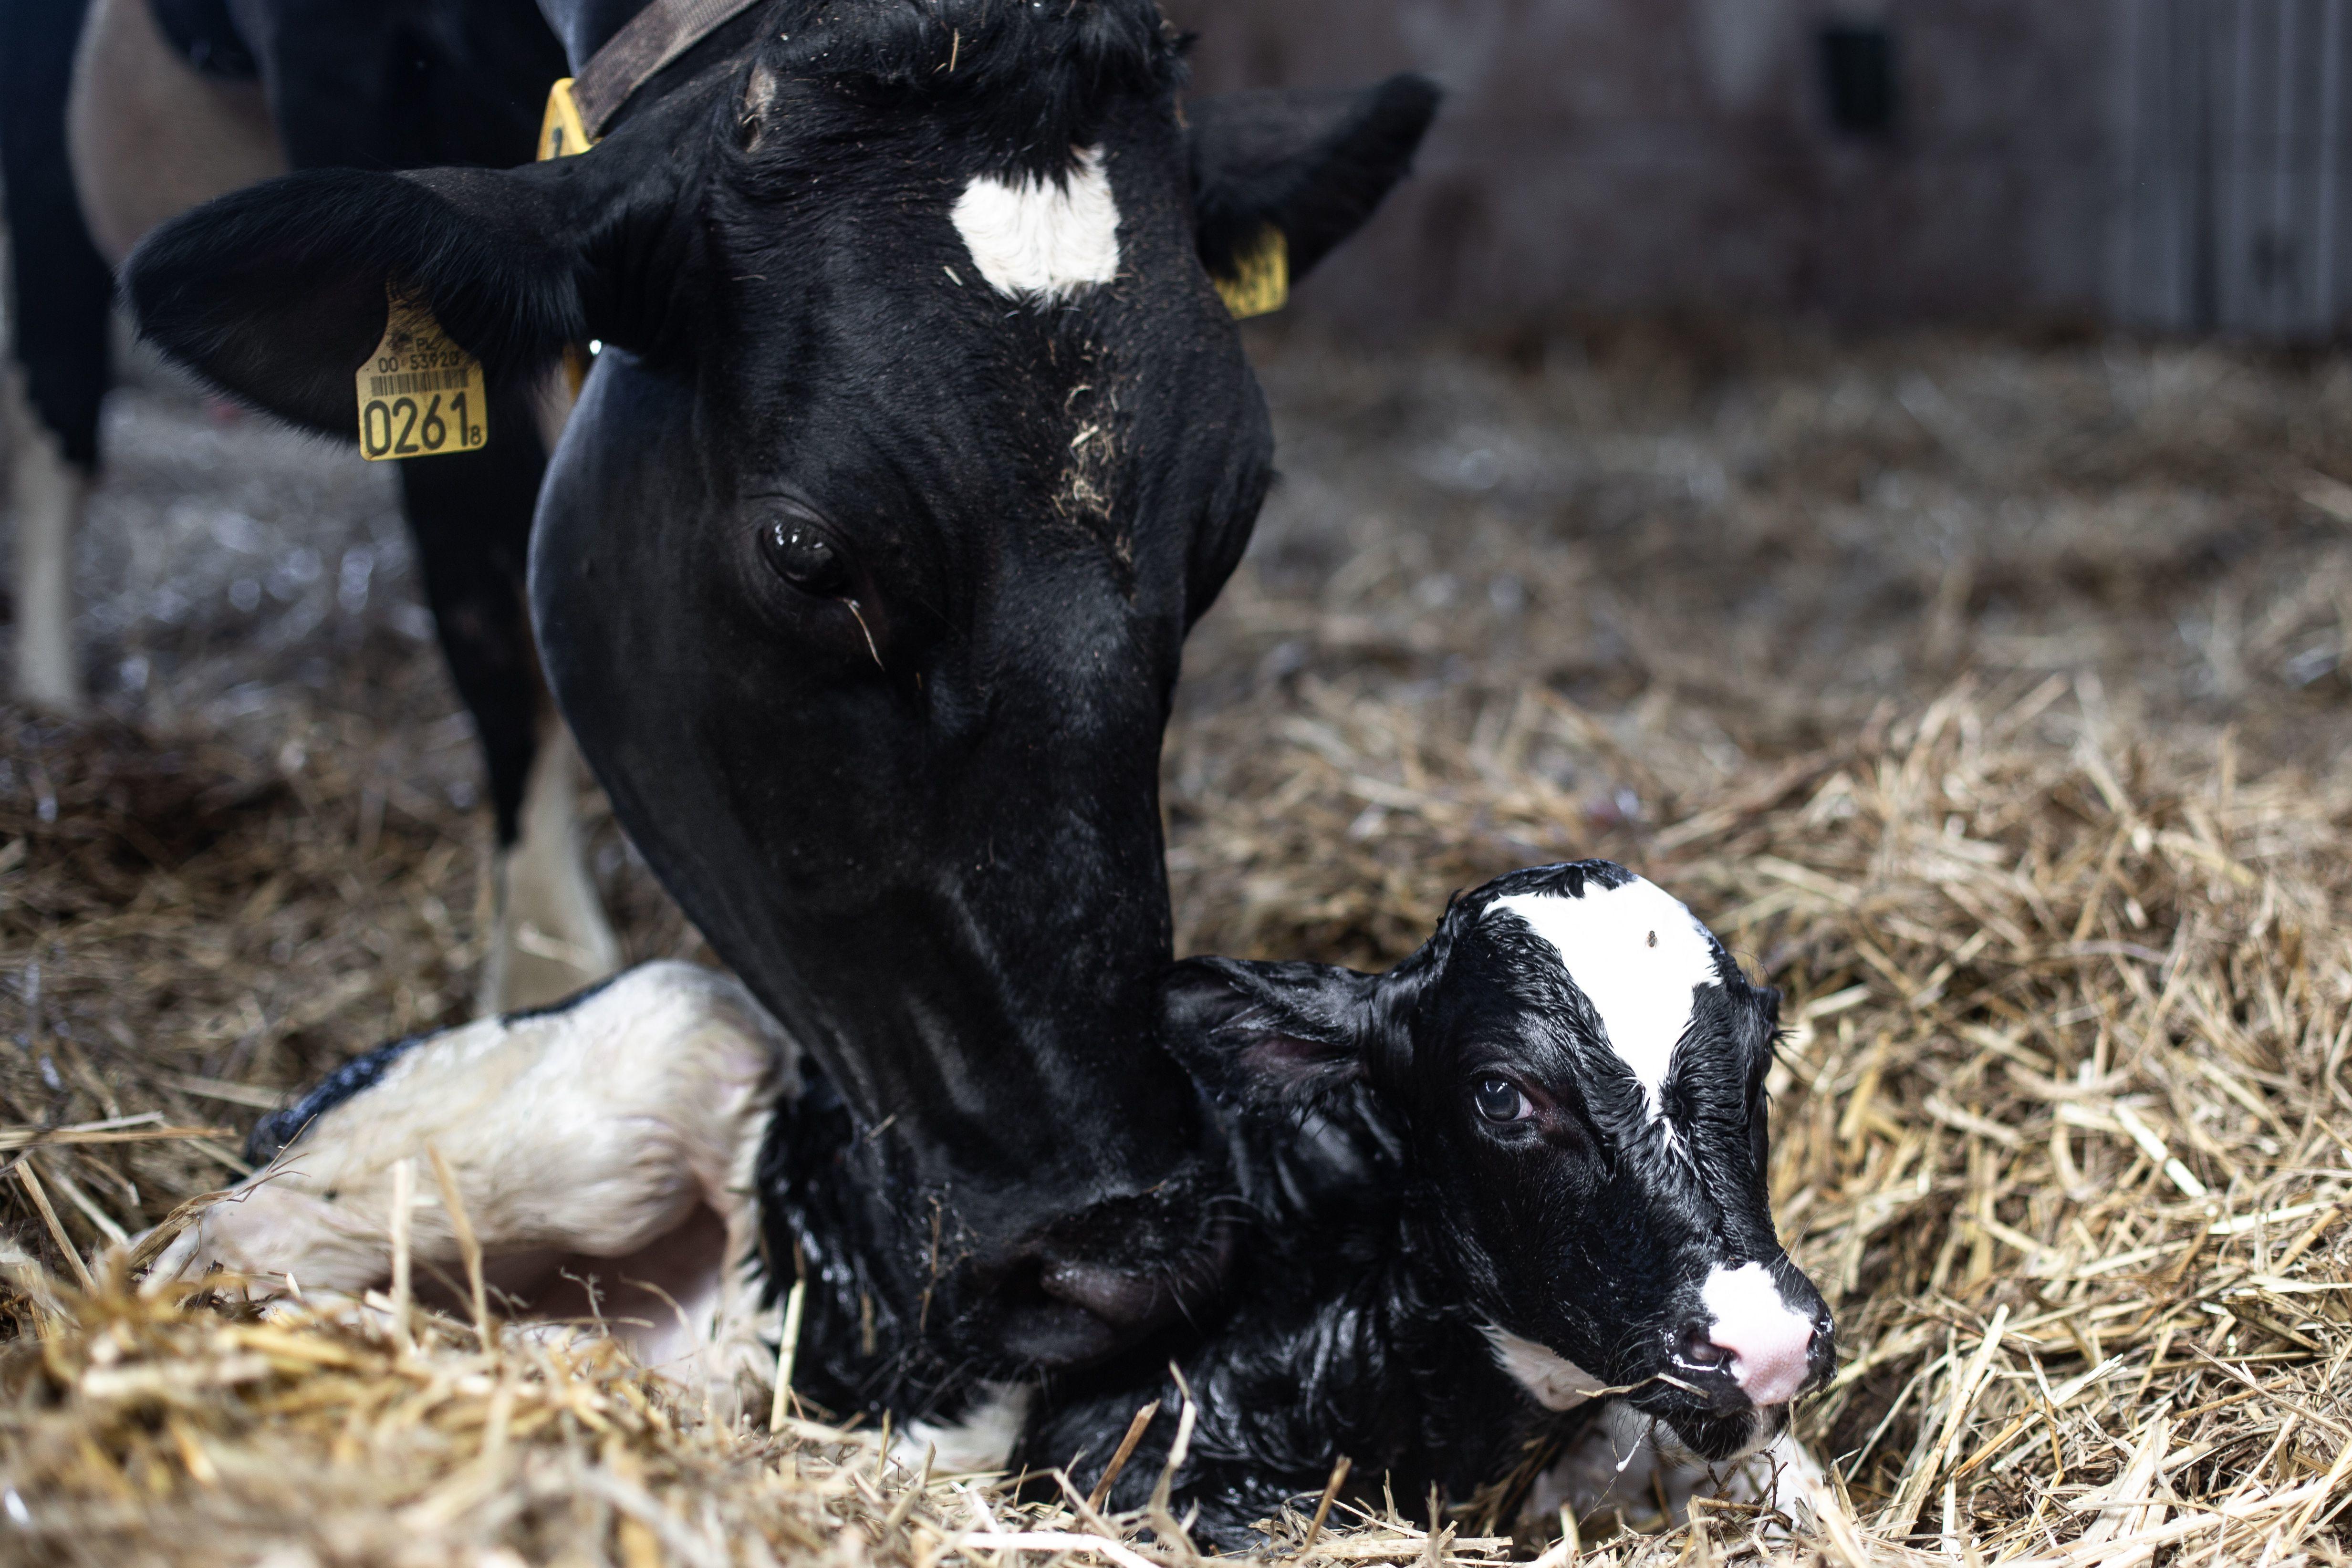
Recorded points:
(1268,1034)
(1311,165)
(276,294)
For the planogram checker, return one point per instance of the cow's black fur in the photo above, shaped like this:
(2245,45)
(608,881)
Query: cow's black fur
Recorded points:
(1389,1225)
(913,803)
(59,290)
(206,37)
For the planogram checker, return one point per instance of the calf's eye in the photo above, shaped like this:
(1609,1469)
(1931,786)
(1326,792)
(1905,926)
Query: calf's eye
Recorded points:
(799,552)
(1498,1100)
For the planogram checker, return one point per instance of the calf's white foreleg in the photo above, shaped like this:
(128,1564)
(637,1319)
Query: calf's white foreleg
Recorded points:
(611,1140)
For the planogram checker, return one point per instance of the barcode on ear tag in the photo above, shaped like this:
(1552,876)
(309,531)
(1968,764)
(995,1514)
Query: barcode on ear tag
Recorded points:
(420,394)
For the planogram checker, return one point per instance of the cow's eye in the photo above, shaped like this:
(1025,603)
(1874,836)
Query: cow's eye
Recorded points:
(1499,1101)
(799,552)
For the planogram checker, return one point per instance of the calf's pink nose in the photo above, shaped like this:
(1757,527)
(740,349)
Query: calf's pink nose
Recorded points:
(1770,1342)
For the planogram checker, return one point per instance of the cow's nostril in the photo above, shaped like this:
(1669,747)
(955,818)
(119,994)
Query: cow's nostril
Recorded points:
(1693,1348)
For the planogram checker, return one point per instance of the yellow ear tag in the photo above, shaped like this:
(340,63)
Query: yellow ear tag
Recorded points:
(1261,282)
(421,395)
(562,132)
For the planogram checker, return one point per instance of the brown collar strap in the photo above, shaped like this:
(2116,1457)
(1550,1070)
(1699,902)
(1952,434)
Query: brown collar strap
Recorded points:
(654,37)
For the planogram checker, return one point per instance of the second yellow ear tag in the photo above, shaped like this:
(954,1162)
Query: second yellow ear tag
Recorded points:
(420,394)
(561,131)
(1261,281)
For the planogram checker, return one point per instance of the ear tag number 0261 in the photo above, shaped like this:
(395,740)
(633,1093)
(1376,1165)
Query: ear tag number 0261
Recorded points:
(420,394)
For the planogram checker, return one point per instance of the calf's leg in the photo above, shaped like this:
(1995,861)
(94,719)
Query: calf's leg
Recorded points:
(602,1152)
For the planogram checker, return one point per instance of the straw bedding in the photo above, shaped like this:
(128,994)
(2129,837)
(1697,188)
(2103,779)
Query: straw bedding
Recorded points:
(1985,696)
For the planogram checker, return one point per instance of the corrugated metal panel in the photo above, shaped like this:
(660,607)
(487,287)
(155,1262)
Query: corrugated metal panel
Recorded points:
(2230,135)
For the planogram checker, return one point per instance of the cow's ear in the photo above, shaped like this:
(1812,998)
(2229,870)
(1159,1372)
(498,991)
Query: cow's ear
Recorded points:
(1268,1034)
(276,293)
(1311,165)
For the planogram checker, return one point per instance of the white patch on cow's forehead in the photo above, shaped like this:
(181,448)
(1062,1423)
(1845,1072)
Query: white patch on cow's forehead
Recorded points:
(1043,239)
(1638,955)
(1555,1382)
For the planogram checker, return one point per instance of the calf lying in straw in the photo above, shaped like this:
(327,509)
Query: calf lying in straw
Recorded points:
(599,1155)
(1501,1205)
(1514,1184)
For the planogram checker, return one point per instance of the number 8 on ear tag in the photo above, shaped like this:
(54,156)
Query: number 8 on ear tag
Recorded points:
(421,395)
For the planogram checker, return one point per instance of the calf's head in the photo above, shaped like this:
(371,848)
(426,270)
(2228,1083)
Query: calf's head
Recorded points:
(1578,1067)
(918,440)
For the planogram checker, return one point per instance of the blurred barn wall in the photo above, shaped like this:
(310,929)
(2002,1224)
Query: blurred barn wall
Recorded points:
(2174,163)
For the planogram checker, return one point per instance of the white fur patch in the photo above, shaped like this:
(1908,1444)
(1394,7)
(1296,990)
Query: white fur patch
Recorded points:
(1621,1465)
(979,1442)
(1555,1382)
(1639,955)
(1043,239)
(599,1130)
(550,936)
(50,494)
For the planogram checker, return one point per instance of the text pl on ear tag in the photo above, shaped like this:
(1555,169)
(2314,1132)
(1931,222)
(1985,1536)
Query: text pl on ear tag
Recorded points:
(420,394)
(1261,282)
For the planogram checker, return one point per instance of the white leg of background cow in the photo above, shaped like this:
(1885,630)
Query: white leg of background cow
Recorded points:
(613,1139)
(48,494)
(549,936)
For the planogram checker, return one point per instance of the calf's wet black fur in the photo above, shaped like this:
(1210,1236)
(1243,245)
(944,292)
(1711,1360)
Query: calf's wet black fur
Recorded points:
(1470,1212)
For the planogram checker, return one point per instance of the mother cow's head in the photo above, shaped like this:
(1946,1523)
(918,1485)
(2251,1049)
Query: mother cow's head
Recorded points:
(919,438)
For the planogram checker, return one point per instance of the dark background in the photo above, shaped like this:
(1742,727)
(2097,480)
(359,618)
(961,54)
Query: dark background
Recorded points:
(2169,164)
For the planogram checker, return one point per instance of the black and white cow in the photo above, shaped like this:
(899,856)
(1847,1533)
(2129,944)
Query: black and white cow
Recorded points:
(118,115)
(1504,1197)
(919,438)
(1516,1178)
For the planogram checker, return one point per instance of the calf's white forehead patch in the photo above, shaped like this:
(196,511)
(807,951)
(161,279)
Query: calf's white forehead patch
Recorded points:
(1043,239)
(1638,955)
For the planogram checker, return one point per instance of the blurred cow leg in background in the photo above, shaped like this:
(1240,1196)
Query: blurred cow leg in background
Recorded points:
(60,291)
(47,492)
(471,516)
(116,115)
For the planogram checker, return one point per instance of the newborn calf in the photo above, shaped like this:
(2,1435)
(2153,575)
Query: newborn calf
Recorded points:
(1517,1178)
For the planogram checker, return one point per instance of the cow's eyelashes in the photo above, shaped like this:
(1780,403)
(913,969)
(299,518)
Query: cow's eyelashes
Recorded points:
(800,552)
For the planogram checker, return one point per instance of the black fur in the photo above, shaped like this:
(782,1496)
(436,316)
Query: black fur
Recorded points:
(59,290)
(206,38)
(498,286)
(1249,170)
(1391,1225)
(916,807)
